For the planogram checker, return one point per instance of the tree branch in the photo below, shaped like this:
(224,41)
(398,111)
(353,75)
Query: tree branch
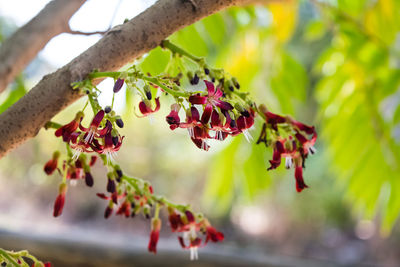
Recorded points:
(18,50)
(118,47)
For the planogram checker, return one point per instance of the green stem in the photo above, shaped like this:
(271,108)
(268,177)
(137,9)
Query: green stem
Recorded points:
(52,125)
(92,103)
(7,257)
(176,49)
(165,88)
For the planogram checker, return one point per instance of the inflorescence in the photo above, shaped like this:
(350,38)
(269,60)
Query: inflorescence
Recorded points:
(219,111)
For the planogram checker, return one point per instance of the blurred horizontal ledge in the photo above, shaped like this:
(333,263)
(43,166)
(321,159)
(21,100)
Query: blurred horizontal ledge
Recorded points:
(100,250)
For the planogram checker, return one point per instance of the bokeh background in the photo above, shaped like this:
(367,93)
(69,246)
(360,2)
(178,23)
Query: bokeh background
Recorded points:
(333,64)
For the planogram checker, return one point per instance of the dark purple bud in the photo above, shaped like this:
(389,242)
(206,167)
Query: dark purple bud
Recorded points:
(89,179)
(148,95)
(231,88)
(233,124)
(118,85)
(107,212)
(206,71)
(107,109)
(195,79)
(133,205)
(119,174)
(110,185)
(119,123)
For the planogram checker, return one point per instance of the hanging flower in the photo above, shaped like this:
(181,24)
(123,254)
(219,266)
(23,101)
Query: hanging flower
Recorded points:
(66,130)
(51,165)
(93,130)
(145,107)
(60,200)
(154,235)
(307,145)
(173,117)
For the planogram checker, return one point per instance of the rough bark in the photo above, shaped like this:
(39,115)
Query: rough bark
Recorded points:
(23,46)
(118,47)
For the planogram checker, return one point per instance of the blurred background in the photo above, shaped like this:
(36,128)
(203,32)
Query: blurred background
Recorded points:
(334,64)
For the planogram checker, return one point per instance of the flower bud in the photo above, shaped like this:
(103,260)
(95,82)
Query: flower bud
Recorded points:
(119,122)
(89,179)
(118,85)
(107,109)
(111,185)
(147,91)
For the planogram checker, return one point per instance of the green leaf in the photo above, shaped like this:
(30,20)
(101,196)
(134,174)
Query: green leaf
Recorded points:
(155,62)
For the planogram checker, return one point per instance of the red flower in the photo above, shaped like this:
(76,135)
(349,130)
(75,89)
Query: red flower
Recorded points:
(212,99)
(307,145)
(213,234)
(175,221)
(51,165)
(111,145)
(60,200)
(302,127)
(66,130)
(298,175)
(93,130)
(173,117)
(192,120)
(154,234)
(276,157)
(145,107)
(217,125)
(125,209)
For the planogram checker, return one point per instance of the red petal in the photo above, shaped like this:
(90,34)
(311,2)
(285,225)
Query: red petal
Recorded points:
(206,114)
(59,205)
(97,119)
(215,119)
(298,174)
(154,236)
(197,99)
(210,88)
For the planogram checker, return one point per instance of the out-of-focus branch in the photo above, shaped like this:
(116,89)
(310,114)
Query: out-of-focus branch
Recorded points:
(118,47)
(23,46)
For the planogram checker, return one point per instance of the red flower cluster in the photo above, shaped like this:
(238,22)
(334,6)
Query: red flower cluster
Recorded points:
(105,140)
(217,117)
(73,170)
(185,224)
(295,148)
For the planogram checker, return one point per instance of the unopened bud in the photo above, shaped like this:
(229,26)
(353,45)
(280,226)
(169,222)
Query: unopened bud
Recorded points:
(119,122)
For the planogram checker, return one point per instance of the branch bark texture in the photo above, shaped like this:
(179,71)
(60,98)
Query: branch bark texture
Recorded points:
(118,47)
(23,46)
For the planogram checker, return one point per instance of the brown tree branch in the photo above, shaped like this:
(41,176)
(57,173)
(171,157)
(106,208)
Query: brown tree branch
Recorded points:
(118,47)
(22,47)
